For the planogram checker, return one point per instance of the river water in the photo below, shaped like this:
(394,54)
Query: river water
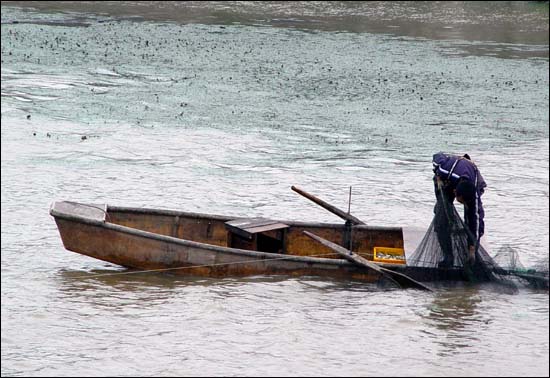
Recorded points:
(219,107)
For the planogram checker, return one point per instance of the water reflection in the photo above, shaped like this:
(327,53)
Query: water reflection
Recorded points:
(455,318)
(108,290)
(119,279)
(127,280)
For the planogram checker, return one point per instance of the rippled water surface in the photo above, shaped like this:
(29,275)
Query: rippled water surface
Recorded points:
(220,107)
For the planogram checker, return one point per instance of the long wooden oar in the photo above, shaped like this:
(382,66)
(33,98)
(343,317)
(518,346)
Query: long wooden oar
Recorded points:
(400,279)
(329,207)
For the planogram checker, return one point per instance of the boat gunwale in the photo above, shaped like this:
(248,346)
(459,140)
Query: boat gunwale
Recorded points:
(155,211)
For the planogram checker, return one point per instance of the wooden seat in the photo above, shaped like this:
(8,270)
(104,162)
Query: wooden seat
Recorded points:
(247,227)
(257,234)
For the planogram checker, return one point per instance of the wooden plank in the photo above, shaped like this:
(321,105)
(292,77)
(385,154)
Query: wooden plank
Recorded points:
(329,207)
(90,211)
(245,223)
(247,227)
(267,227)
(400,279)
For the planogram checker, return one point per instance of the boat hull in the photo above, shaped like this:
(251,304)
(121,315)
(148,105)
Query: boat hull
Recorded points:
(151,252)
(159,240)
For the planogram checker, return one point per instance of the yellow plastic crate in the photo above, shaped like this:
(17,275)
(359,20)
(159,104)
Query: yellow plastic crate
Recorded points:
(389,255)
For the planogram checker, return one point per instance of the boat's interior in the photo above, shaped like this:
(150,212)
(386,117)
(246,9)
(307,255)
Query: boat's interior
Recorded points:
(260,234)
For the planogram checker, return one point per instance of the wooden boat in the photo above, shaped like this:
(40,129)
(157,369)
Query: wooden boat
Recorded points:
(219,246)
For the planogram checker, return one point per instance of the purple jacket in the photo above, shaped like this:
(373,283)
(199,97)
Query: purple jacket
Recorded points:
(452,168)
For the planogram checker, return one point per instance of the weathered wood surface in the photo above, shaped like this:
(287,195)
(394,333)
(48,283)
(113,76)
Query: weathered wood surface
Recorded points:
(247,227)
(198,244)
(192,244)
(211,229)
(400,279)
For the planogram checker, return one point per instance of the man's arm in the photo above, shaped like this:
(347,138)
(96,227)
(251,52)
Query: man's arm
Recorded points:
(472,221)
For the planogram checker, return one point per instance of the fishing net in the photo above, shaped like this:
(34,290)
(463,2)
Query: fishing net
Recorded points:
(508,258)
(535,276)
(444,248)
